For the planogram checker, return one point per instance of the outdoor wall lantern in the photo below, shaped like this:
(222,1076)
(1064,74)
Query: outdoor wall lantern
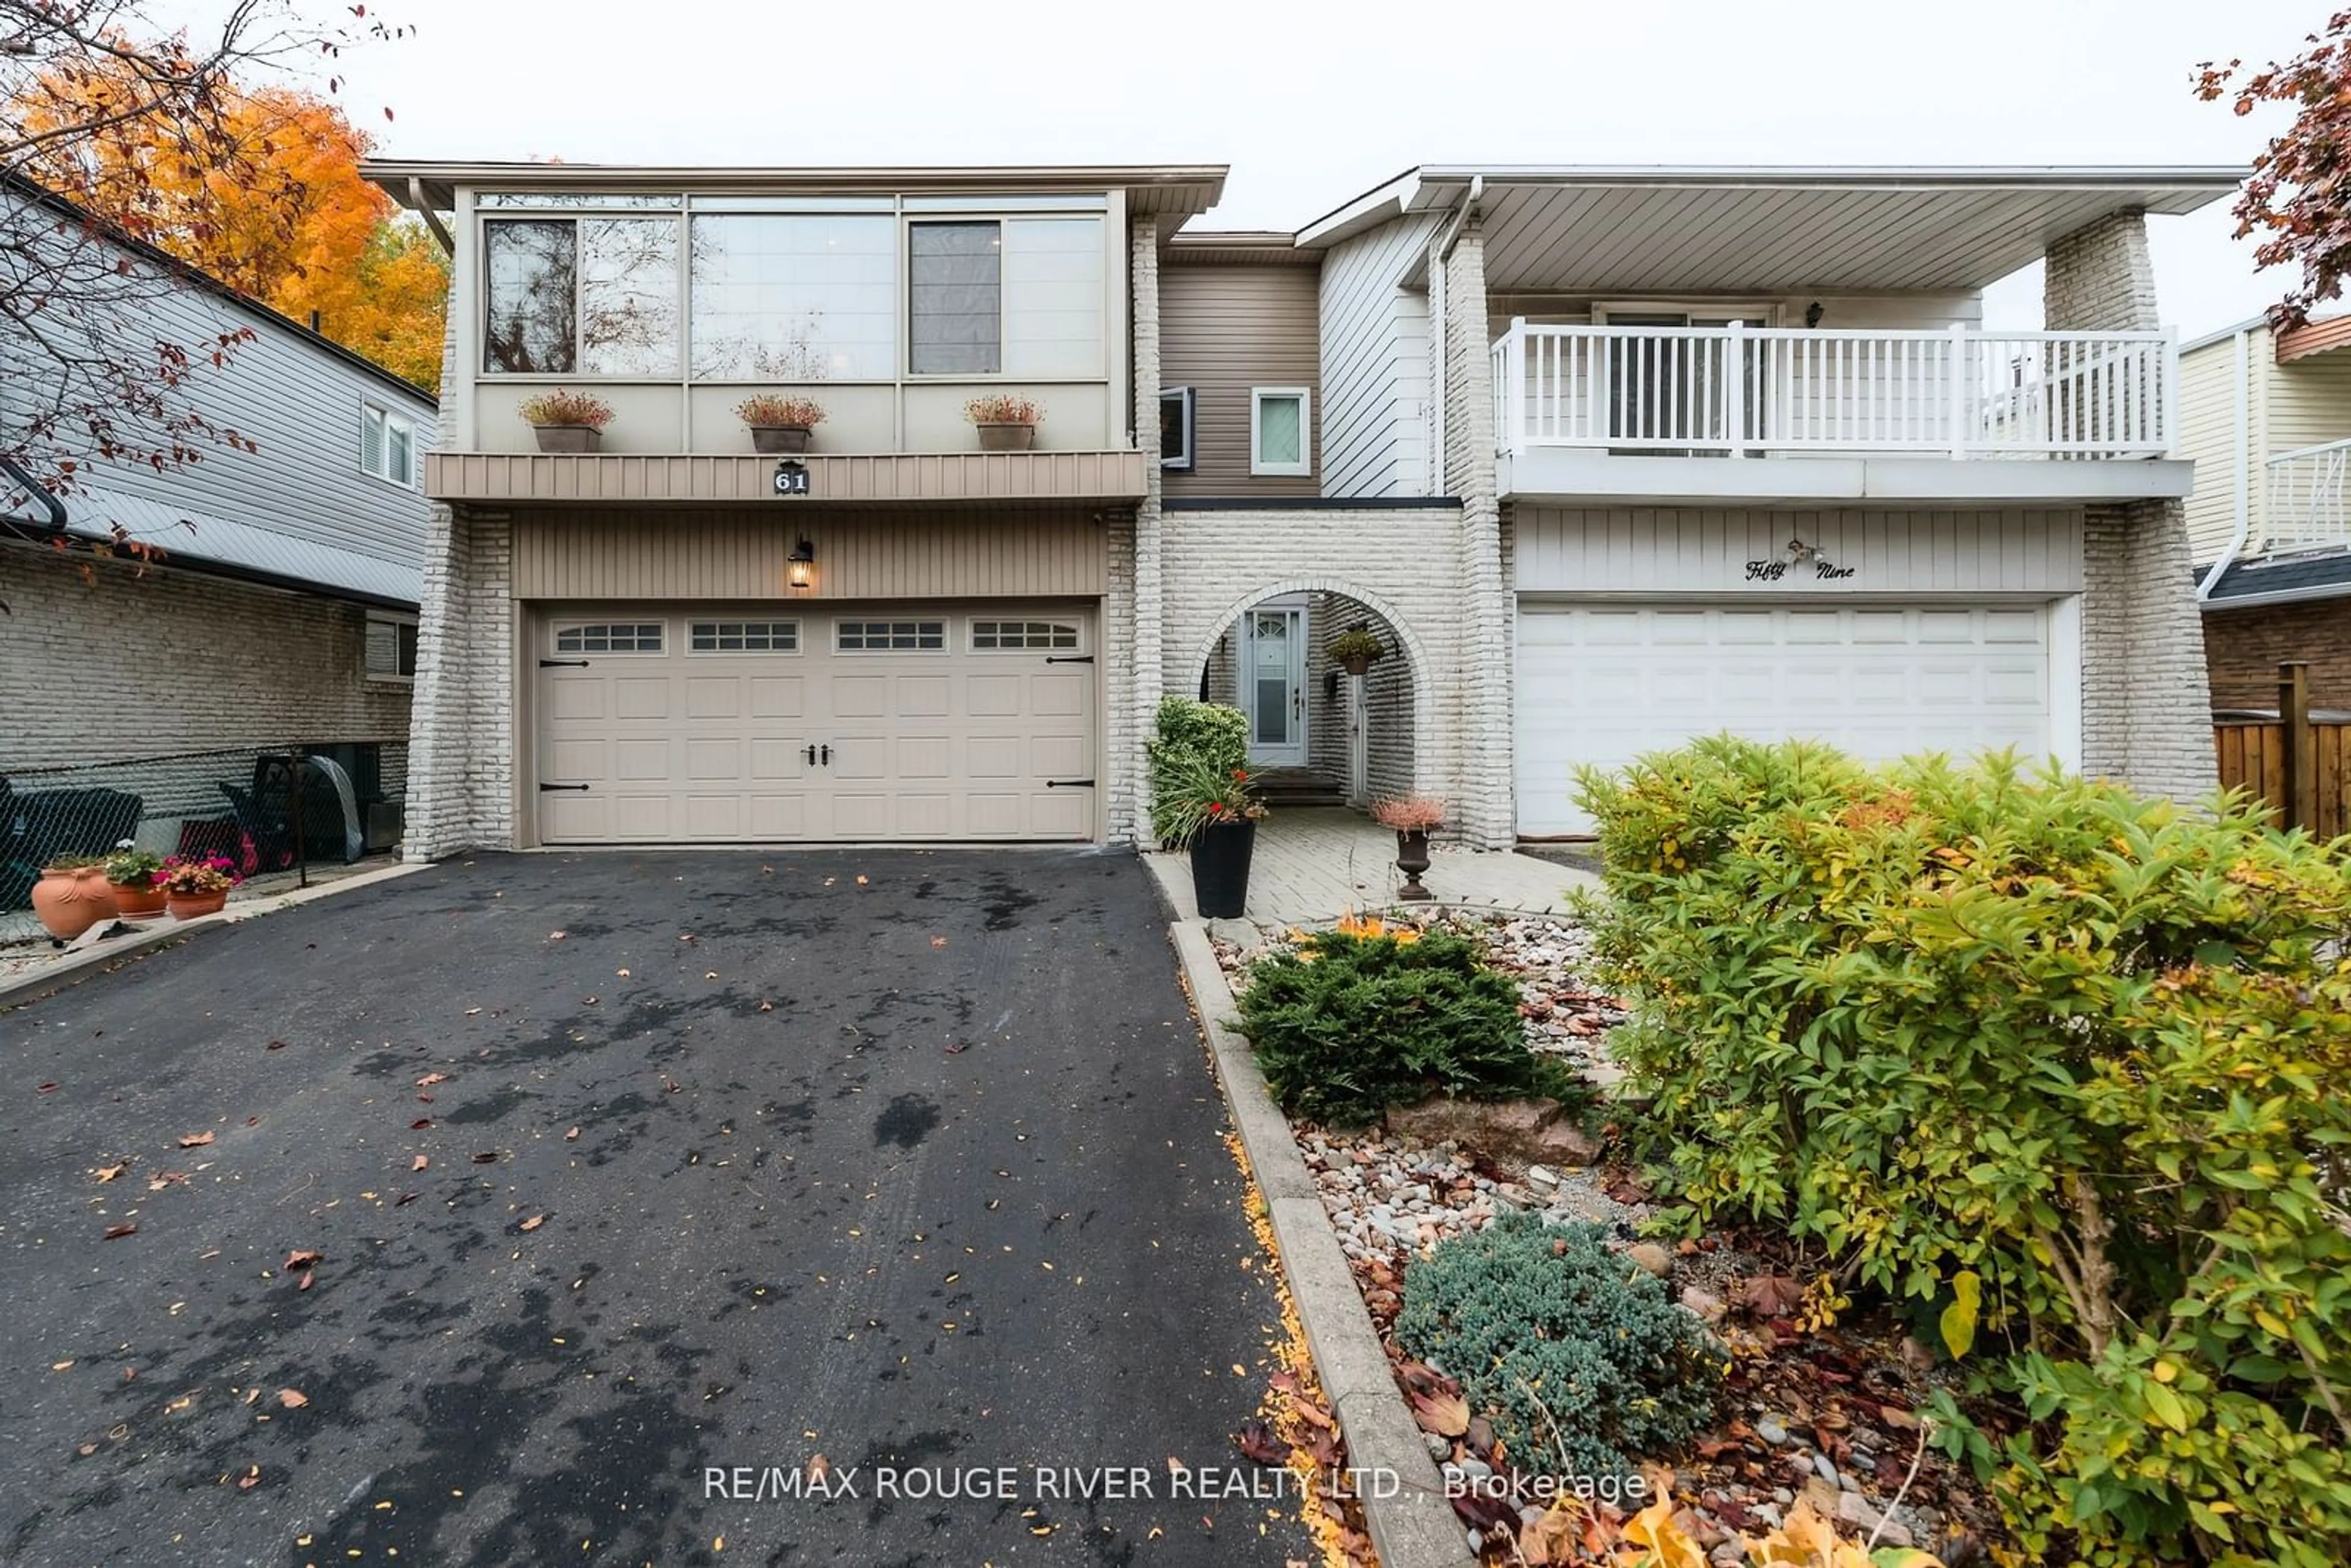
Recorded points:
(803,564)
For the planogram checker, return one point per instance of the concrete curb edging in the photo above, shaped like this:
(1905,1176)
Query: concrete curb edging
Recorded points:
(18,992)
(1417,1527)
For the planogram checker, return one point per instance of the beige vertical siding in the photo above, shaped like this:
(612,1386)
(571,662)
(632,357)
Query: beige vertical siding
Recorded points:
(693,554)
(2208,437)
(1222,330)
(2310,400)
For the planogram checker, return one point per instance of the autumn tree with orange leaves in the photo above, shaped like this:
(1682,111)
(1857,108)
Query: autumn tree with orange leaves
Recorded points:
(203,142)
(2298,201)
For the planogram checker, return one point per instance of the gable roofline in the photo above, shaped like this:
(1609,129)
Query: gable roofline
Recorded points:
(42,196)
(1161,190)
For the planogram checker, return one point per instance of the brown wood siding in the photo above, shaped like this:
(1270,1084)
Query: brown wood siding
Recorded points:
(679,554)
(933,476)
(1222,330)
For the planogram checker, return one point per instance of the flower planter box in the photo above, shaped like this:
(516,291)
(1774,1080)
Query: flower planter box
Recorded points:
(1006,437)
(569,438)
(780,440)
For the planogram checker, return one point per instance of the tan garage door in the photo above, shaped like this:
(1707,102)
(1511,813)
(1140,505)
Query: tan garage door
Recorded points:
(726,726)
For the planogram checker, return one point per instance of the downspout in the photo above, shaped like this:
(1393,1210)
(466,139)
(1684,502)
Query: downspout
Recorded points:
(1439,308)
(2244,477)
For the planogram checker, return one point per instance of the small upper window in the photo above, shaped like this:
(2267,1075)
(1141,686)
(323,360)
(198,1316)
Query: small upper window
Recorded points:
(889,636)
(1281,431)
(609,637)
(1003,634)
(1175,423)
(387,444)
(391,646)
(744,636)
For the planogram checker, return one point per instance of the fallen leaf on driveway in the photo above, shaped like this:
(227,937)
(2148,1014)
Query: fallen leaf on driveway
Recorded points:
(419,1164)
(571,1136)
(306,1277)
(195,1140)
(302,1258)
(1447,1414)
(710,974)
(622,973)
(1256,1440)
(46,1089)
(116,1232)
(766,1006)
(861,882)
(419,1124)
(555,935)
(487,1157)
(108,1173)
(163,1179)
(275,1045)
(292,1398)
(430,1079)
(251,1479)
(938,941)
(470,1011)
(533,1223)
(404,1198)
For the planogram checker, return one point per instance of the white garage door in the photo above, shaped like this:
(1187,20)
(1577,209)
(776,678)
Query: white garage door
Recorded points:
(1602,684)
(732,726)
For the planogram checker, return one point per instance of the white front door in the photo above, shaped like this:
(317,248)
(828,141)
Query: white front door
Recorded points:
(1273,684)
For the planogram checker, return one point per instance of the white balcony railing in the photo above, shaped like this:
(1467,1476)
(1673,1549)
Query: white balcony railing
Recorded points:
(1740,391)
(2304,506)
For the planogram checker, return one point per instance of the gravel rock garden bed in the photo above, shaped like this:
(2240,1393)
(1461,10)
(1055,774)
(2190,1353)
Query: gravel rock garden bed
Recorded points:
(1808,1415)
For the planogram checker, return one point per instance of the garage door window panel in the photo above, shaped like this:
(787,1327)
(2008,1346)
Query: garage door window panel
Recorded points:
(1009,636)
(891,636)
(743,637)
(609,637)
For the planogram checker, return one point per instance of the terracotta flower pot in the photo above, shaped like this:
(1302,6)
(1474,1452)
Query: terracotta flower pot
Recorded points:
(70,902)
(1356,664)
(189,905)
(1006,437)
(136,902)
(568,437)
(780,440)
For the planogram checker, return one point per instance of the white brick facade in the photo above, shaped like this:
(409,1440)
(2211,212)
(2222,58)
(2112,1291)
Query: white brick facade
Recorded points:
(1488,817)
(1398,562)
(1130,612)
(2146,711)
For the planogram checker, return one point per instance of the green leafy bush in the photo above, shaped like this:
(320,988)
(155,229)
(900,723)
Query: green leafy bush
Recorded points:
(1194,740)
(1346,1026)
(2064,1063)
(1577,1356)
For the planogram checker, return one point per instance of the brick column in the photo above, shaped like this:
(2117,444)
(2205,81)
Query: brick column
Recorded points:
(1482,787)
(2145,708)
(1136,680)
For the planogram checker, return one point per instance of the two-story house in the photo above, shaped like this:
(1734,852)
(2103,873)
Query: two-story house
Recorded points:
(2265,416)
(261,595)
(1603,458)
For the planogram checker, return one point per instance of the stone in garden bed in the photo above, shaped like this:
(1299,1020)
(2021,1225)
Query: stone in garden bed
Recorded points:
(1520,1132)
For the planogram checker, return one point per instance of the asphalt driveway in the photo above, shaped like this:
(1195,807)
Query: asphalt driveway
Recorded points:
(635,1184)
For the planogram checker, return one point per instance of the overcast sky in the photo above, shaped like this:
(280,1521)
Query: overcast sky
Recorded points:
(1312,103)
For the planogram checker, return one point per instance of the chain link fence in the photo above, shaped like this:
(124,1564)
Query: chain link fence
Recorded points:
(266,808)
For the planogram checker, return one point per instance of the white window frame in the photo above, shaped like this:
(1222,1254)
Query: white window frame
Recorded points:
(1305,466)
(390,417)
(1190,397)
(392,677)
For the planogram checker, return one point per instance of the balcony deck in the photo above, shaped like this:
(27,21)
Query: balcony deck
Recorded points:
(1703,414)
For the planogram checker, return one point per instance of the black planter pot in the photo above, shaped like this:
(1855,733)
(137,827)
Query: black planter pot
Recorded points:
(1412,859)
(1220,867)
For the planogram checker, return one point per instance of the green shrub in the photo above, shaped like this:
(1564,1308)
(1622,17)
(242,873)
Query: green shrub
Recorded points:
(1577,1356)
(1347,1026)
(2064,1063)
(1192,738)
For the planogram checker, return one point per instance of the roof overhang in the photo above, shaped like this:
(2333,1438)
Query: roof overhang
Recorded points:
(1175,189)
(1242,248)
(1634,230)
(2282,579)
(2314,337)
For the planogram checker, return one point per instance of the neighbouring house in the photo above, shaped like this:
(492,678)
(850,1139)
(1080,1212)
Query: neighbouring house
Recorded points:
(138,698)
(1603,458)
(2266,418)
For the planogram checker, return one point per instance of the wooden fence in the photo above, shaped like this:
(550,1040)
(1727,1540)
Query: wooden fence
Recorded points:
(2299,767)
